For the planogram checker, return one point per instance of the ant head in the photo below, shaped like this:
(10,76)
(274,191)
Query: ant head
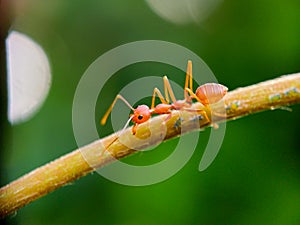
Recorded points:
(141,114)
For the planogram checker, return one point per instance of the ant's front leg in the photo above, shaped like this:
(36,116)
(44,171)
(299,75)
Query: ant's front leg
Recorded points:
(134,128)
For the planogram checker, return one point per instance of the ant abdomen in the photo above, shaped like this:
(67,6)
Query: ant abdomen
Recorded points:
(211,93)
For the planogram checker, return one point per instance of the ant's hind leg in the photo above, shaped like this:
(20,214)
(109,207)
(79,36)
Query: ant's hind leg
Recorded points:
(168,90)
(188,79)
(193,95)
(200,111)
(205,116)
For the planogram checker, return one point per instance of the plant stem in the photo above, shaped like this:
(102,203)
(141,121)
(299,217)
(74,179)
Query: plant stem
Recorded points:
(278,93)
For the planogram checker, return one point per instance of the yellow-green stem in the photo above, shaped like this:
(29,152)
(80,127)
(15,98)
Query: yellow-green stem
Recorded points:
(280,92)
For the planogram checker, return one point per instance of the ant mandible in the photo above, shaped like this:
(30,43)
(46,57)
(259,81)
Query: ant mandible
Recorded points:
(206,94)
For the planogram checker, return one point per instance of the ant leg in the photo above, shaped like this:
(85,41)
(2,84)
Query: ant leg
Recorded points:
(168,90)
(104,118)
(120,133)
(188,79)
(168,93)
(134,128)
(193,95)
(204,113)
(157,92)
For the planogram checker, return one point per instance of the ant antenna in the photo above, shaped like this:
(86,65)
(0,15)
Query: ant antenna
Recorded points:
(104,118)
(126,125)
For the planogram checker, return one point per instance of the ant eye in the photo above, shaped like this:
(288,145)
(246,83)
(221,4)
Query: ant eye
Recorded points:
(140,117)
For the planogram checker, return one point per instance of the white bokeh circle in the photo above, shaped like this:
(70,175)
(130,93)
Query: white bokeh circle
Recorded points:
(29,77)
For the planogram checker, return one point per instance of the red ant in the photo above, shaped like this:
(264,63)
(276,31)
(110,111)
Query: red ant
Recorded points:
(205,94)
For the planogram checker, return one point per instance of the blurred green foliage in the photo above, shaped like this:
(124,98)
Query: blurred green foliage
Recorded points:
(255,178)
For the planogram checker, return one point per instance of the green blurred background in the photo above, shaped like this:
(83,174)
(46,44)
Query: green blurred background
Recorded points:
(255,178)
